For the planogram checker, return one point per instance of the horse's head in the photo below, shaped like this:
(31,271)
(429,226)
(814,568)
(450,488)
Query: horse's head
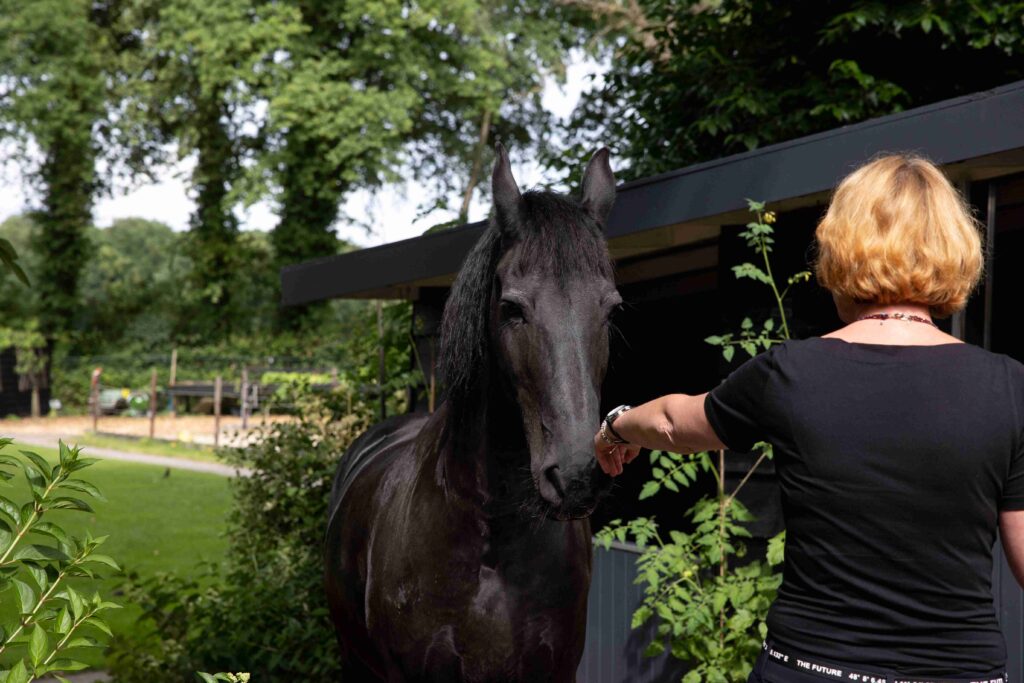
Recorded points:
(552,296)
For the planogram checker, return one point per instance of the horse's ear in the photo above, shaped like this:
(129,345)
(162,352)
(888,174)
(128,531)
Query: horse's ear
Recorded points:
(599,187)
(507,199)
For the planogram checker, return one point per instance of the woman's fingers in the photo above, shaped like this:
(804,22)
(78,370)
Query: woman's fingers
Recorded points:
(613,458)
(603,456)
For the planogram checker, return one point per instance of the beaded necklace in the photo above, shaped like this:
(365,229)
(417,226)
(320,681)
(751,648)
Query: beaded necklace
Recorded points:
(899,316)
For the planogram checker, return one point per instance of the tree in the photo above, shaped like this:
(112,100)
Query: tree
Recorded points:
(54,56)
(377,87)
(198,81)
(134,287)
(694,80)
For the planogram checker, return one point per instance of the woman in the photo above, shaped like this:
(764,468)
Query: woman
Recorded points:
(898,448)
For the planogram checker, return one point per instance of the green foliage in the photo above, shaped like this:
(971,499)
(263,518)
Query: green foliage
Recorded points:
(709,598)
(692,80)
(265,611)
(55,54)
(229,677)
(10,259)
(45,568)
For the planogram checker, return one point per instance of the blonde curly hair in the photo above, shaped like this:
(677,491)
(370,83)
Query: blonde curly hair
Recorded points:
(897,231)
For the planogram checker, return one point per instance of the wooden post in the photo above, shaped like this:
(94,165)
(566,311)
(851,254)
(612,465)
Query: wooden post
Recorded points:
(94,390)
(152,403)
(244,406)
(433,381)
(380,360)
(217,386)
(172,379)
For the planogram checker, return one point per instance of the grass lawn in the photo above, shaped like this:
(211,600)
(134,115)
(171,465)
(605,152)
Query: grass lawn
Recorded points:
(133,444)
(156,522)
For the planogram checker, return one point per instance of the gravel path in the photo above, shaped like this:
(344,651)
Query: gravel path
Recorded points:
(50,441)
(83,677)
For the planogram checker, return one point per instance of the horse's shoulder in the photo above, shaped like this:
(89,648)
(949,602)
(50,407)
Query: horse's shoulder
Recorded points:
(385,437)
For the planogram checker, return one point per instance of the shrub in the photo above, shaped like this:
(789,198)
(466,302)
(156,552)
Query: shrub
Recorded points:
(265,611)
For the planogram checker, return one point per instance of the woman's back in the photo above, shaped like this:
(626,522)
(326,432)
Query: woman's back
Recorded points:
(894,462)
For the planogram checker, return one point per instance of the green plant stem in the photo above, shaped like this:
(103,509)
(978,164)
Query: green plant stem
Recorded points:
(764,454)
(64,640)
(35,517)
(27,619)
(771,279)
(721,540)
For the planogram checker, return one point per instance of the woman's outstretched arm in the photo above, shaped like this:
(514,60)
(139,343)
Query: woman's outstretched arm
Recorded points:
(1011,533)
(674,422)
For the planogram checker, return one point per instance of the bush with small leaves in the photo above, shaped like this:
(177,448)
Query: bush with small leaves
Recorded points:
(39,561)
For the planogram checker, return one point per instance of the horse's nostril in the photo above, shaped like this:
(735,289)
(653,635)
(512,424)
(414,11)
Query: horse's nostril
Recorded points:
(553,475)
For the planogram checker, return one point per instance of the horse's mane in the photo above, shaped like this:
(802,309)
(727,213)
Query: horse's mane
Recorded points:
(554,235)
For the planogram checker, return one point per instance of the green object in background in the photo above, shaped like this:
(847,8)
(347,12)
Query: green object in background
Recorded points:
(138,404)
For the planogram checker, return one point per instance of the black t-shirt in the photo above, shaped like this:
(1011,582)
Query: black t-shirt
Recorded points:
(893,463)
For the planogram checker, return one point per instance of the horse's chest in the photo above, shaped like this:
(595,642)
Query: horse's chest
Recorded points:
(483,625)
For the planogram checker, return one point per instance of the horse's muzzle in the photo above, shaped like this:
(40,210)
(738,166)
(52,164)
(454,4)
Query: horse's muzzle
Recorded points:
(573,492)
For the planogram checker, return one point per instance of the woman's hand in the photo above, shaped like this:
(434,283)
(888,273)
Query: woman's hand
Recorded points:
(613,457)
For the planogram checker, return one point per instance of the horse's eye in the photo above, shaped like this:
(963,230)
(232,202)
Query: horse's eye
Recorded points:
(511,312)
(613,312)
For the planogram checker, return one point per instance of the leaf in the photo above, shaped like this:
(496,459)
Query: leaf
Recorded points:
(18,673)
(103,559)
(100,624)
(74,600)
(776,553)
(83,486)
(40,463)
(38,575)
(51,530)
(27,596)
(10,509)
(37,552)
(68,665)
(654,648)
(37,646)
(64,621)
(649,489)
(728,352)
(83,641)
(205,677)
(66,503)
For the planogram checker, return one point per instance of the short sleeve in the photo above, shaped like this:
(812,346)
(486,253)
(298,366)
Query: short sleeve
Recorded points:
(1013,489)
(1013,486)
(735,408)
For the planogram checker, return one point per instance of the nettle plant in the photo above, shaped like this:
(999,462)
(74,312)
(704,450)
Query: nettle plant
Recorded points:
(709,599)
(46,617)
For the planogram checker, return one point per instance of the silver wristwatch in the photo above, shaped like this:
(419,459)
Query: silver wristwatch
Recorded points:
(610,418)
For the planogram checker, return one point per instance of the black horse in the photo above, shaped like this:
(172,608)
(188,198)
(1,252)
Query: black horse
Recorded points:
(458,546)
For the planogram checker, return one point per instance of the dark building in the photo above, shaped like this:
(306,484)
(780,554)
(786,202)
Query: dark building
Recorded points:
(674,241)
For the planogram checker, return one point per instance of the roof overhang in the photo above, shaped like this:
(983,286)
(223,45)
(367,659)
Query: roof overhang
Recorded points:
(973,137)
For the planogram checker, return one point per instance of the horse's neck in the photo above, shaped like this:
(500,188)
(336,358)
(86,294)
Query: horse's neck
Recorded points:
(481,455)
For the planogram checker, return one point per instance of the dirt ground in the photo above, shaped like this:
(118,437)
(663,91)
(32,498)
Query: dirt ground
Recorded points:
(186,428)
